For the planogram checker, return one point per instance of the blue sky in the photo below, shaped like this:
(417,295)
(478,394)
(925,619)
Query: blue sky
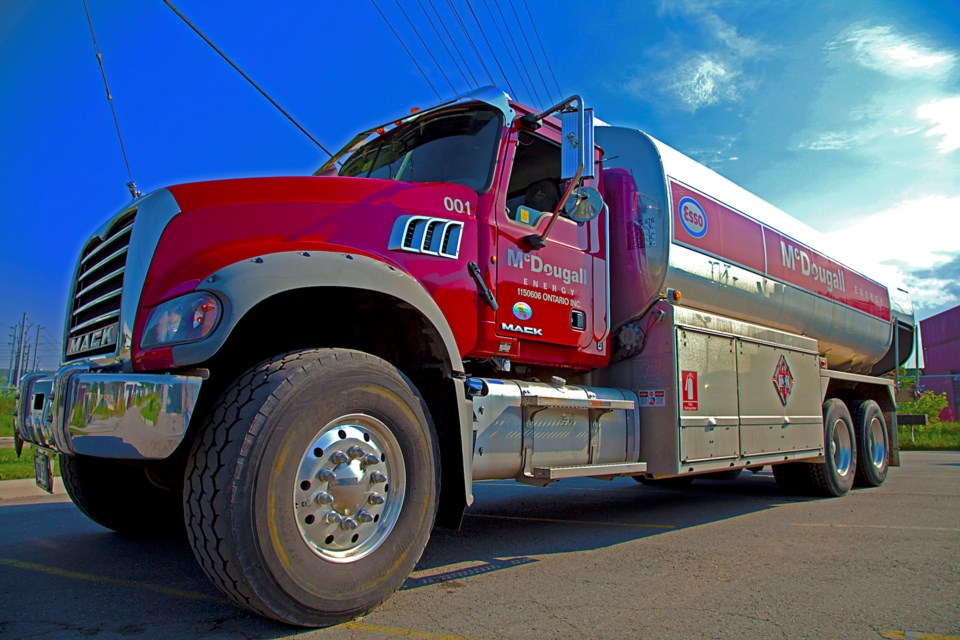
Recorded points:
(844,114)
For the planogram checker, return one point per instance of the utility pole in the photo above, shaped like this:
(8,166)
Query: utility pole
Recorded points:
(36,349)
(13,338)
(23,330)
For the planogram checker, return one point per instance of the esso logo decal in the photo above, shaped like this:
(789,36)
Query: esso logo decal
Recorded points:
(522,311)
(693,217)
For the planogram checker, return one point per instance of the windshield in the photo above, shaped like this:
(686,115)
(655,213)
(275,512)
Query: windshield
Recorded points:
(458,147)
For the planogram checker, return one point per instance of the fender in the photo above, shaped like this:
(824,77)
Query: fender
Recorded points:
(242,285)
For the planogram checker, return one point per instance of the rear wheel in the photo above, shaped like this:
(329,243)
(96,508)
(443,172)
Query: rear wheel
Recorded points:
(313,486)
(122,496)
(871,430)
(834,476)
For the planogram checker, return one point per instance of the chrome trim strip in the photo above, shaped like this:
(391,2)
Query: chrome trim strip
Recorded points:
(106,243)
(87,288)
(110,257)
(93,303)
(106,316)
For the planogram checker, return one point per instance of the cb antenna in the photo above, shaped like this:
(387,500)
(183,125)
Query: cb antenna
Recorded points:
(131,185)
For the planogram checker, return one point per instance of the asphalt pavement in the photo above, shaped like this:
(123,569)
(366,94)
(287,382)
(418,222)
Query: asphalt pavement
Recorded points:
(579,559)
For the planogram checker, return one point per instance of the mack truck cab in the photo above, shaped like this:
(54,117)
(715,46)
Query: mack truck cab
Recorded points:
(305,374)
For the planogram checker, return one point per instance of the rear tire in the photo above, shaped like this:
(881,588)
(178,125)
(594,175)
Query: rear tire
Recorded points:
(122,496)
(312,487)
(834,476)
(872,445)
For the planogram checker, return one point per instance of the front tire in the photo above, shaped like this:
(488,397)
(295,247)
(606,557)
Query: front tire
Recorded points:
(312,487)
(122,496)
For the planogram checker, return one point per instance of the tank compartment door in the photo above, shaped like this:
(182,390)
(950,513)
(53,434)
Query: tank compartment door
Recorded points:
(779,400)
(707,394)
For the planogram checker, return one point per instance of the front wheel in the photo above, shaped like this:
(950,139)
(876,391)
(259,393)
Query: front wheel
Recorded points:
(313,486)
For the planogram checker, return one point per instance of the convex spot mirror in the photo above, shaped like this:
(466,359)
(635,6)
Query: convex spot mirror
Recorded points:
(584,204)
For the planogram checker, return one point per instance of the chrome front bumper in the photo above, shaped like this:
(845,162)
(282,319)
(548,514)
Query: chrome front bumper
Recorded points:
(106,415)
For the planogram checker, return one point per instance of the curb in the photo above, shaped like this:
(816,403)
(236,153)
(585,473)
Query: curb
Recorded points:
(19,489)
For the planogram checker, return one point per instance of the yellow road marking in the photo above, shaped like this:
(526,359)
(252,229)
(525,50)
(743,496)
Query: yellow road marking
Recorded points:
(872,526)
(915,635)
(194,595)
(397,632)
(89,577)
(600,522)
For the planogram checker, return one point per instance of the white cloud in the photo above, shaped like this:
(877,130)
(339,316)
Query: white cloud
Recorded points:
(945,115)
(704,81)
(831,141)
(881,49)
(715,74)
(905,246)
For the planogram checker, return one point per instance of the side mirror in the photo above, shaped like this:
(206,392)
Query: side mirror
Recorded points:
(584,205)
(577,145)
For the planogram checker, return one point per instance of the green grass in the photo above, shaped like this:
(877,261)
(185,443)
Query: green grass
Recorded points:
(13,469)
(6,412)
(940,436)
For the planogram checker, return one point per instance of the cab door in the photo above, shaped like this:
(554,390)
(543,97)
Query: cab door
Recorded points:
(556,296)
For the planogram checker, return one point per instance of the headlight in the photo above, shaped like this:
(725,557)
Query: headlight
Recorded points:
(185,319)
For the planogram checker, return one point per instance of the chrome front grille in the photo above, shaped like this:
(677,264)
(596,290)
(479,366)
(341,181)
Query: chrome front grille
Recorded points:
(95,309)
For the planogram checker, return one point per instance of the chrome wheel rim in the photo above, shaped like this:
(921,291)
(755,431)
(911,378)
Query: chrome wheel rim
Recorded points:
(878,444)
(841,446)
(349,488)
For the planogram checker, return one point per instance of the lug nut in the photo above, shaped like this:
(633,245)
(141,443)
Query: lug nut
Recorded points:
(355,452)
(326,475)
(375,498)
(332,518)
(376,477)
(338,457)
(323,498)
(370,459)
(348,524)
(364,517)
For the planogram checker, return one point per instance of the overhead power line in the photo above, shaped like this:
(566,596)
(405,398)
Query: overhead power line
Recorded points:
(545,56)
(425,46)
(521,71)
(245,76)
(514,8)
(493,53)
(444,43)
(400,40)
(453,42)
(466,34)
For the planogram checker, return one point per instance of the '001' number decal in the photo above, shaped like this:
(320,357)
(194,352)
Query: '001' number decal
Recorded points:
(456,205)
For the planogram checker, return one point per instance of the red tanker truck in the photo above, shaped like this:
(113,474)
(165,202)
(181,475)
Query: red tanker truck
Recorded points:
(307,373)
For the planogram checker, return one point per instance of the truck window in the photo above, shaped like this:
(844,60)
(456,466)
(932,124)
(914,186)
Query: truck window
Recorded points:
(457,147)
(535,179)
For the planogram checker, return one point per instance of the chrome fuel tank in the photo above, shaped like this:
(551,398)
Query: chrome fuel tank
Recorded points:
(675,224)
